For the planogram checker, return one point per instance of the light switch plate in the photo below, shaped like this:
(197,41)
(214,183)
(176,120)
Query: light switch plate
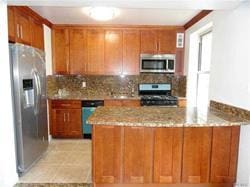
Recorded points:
(83,84)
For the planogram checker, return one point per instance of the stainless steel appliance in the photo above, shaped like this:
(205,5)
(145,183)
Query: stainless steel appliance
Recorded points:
(88,107)
(157,94)
(160,63)
(30,104)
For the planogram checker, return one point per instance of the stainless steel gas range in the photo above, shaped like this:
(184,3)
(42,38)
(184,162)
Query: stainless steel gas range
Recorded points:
(157,95)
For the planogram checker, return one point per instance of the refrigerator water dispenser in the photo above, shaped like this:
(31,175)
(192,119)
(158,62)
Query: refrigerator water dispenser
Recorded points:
(28,91)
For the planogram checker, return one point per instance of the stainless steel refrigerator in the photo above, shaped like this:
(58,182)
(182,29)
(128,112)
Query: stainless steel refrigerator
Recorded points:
(30,104)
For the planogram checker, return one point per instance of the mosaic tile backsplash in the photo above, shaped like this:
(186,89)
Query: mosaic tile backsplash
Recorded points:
(104,85)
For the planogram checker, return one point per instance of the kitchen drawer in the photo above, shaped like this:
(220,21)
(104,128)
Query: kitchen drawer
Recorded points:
(66,104)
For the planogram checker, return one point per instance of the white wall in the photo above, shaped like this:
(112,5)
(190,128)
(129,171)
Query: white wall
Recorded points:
(8,175)
(47,49)
(230,62)
(230,69)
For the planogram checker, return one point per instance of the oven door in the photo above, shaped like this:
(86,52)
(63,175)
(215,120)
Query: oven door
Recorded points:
(154,65)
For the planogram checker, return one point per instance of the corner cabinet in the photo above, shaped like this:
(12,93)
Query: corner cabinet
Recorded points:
(24,28)
(66,119)
(189,156)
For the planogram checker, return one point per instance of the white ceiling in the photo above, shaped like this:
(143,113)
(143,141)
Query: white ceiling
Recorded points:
(65,15)
(138,12)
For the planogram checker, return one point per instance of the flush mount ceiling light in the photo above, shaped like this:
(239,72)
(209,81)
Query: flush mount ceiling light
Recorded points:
(103,13)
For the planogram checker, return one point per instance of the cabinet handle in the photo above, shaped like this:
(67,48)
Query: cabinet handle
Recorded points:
(21,31)
(64,117)
(68,117)
(17,31)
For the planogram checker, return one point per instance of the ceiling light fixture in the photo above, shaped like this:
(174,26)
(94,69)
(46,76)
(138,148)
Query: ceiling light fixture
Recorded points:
(103,13)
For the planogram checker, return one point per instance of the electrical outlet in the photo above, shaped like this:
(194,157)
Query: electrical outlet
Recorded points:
(83,84)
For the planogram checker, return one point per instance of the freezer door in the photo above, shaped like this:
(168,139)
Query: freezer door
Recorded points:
(27,91)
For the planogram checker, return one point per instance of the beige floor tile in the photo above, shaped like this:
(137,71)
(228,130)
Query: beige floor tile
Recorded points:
(66,161)
(69,174)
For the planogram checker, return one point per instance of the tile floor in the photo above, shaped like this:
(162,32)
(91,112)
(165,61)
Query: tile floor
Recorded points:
(66,161)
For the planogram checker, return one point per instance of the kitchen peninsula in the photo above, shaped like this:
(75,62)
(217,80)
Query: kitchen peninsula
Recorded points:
(164,146)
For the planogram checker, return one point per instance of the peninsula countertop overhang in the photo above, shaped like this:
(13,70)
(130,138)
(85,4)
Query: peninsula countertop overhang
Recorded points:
(163,117)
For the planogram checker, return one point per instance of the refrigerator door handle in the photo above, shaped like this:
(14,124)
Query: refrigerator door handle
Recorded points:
(38,90)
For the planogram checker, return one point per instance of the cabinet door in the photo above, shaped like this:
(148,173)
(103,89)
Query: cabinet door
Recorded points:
(131,103)
(60,39)
(95,43)
(167,41)
(106,154)
(74,123)
(58,123)
(168,155)
(11,24)
(37,37)
(224,154)
(131,52)
(23,24)
(149,42)
(196,155)
(138,155)
(113,53)
(78,51)
(113,102)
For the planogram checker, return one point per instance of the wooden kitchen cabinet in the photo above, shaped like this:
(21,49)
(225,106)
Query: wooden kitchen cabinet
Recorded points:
(23,27)
(167,41)
(158,41)
(138,162)
(78,51)
(37,37)
(224,154)
(113,52)
(196,155)
(60,40)
(168,155)
(66,119)
(122,102)
(107,154)
(131,52)
(11,24)
(149,42)
(95,45)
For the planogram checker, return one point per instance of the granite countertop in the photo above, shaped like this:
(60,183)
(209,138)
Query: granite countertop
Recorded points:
(163,117)
(95,97)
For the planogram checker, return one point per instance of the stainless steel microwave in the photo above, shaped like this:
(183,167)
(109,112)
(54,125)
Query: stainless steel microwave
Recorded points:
(160,63)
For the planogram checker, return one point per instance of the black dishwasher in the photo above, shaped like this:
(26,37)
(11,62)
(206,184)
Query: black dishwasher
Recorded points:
(88,107)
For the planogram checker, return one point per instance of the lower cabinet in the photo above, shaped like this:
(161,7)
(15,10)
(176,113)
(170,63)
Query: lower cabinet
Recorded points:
(196,155)
(66,119)
(124,156)
(168,155)
(122,102)
(137,155)
(224,154)
(107,160)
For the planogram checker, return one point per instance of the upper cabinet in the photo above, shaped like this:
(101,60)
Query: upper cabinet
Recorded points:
(131,52)
(60,40)
(113,52)
(99,50)
(95,45)
(149,41)
(37,37)
(158,41)
(11,24)
(24,27)
(78,51)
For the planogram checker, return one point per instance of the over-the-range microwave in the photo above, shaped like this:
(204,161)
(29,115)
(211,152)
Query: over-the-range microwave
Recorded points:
(158,63)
